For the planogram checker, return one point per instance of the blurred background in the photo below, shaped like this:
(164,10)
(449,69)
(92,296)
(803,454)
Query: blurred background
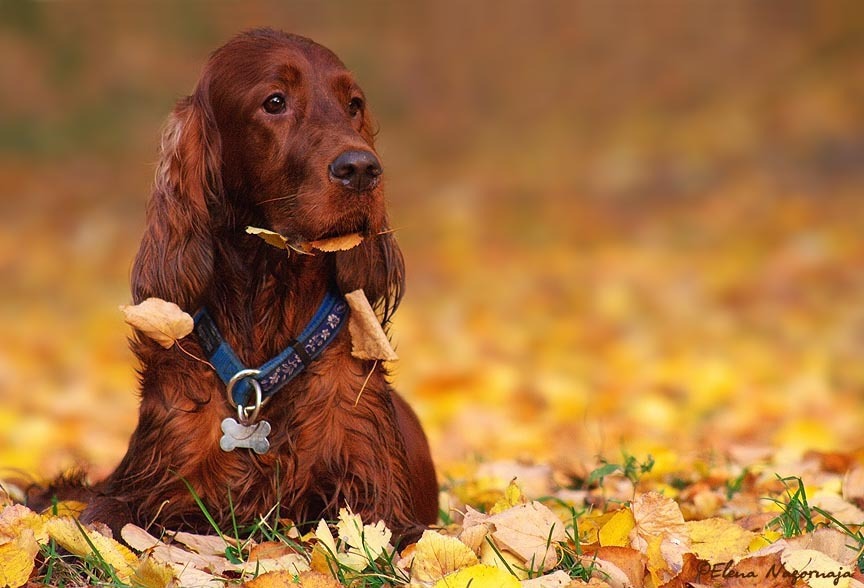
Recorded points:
(628,226)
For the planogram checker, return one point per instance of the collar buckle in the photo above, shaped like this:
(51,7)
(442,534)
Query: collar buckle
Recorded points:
(246,415)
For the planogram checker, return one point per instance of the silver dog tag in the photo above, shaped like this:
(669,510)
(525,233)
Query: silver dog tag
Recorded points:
(252,437)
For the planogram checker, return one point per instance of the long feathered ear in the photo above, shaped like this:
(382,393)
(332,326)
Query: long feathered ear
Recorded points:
(175,260)
(376,266)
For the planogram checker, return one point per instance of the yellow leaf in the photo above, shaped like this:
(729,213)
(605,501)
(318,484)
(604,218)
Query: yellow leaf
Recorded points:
(66,508)
(437,555)
(368,339)
(14,519)
(764,539)
(479,576)
(162,321)
(718,540)
(616,531)
(153,574)
(512,497)
(270,237)
(504,560)
(69,533)
(16,564)
(341,243)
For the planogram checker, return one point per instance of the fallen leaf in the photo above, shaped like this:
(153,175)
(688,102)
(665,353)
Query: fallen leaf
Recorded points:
(162,321)
(661,533)
(14,519)
(853,485)
(366,542)
(283,579)
(558,579)
(617,530)
(833,543)
(512,497)
(76,539)
(816,568)
(532,532)
(437,555)
(153,574)
(843,511)
(625,559)
(16,564)
(717,540)
(479,576)
(368,339)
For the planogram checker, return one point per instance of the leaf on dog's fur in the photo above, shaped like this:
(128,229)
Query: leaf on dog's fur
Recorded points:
(270,237)
(368,340)
(341,243)
(162,321)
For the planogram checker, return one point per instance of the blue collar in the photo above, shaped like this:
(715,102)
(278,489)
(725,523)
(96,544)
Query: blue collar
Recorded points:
(280,370)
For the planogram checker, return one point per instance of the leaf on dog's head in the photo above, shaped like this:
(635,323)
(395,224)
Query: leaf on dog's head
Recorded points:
(162,321)
(341,243)
(270,237)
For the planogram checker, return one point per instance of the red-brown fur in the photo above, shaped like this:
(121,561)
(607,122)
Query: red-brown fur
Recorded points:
(226,163)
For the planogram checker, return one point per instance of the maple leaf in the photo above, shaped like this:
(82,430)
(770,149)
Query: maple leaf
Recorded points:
(162,321)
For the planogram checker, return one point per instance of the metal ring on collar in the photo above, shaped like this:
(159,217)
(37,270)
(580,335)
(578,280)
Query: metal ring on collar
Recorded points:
(245,414)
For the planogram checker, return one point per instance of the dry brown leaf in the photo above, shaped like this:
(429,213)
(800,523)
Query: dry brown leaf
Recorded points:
(626,559)
(204,544)
(162,321)
(531,531)
(368,339)
(270,237)
(816,568)
(853,485)
(833,543)
(661,533)
(341,243)
(843,511)
(436,555)
(283,579)
(177,557)
(558,579)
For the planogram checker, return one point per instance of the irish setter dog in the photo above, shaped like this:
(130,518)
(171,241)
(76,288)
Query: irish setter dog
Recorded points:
(277,134)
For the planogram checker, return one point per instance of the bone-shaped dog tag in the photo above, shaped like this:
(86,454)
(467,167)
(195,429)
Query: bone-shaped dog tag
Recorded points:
(252,437)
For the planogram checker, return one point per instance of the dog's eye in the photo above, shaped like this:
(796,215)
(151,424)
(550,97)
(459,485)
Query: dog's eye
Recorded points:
(275,104)
(355,106)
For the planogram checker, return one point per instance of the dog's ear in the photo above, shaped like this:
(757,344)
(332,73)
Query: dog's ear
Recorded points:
(175,260)
(376,266)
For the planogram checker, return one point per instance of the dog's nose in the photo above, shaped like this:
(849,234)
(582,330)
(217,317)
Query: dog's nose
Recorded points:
(357,170)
